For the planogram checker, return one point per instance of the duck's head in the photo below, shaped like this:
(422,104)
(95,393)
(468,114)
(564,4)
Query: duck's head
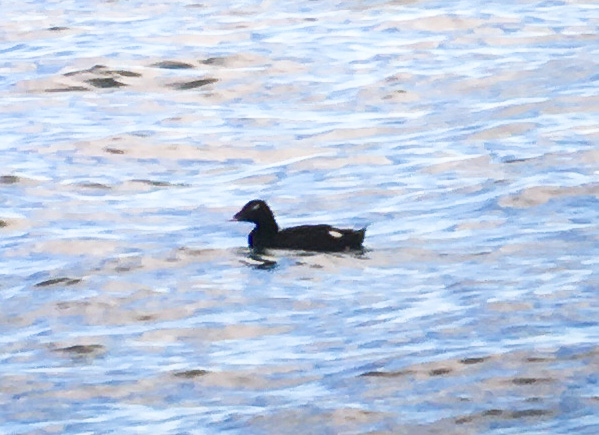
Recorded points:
(256,211)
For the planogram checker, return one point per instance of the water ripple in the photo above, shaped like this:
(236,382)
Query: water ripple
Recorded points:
(464,137)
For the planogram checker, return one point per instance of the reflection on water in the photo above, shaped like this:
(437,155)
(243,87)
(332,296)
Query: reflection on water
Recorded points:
(463,136)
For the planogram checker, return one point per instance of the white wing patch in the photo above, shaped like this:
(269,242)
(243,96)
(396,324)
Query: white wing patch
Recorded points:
(335,234)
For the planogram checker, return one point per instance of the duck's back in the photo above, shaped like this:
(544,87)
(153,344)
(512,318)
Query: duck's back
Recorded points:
(318,238)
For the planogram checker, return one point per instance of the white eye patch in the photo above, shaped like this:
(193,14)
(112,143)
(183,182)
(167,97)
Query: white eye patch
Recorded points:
(335,234)
(255,207)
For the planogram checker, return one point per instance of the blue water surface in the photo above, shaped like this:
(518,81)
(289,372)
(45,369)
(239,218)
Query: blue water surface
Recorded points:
(464,136)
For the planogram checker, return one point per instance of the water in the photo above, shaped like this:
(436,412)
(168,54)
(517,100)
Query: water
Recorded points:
(464,135)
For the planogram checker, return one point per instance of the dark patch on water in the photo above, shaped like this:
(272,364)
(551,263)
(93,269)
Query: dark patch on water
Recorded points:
(192,84)
(56,281)
(530,381)
(529,413)
(103,70)
(9,179)
(105,83)
(191,374)
(495,414)
(395,374)
(68,89)
(172,64)
(82,349)
(539,359)
(95,186)
(220,61)
(474,360)
(124,73)
(93,69)
(440,371)
(114,151)
(155,183)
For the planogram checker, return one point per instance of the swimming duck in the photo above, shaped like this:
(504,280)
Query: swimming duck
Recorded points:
(323,238)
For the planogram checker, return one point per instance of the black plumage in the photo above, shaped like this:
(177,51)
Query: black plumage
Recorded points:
(266,233)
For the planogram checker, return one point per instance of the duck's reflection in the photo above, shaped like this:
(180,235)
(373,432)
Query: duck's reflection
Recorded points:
(258,259)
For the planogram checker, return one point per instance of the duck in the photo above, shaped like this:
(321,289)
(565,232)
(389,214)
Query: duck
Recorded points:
(321,238)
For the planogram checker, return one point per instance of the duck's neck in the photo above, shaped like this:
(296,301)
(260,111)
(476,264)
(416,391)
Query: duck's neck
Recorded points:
(263,233)
(267,226)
